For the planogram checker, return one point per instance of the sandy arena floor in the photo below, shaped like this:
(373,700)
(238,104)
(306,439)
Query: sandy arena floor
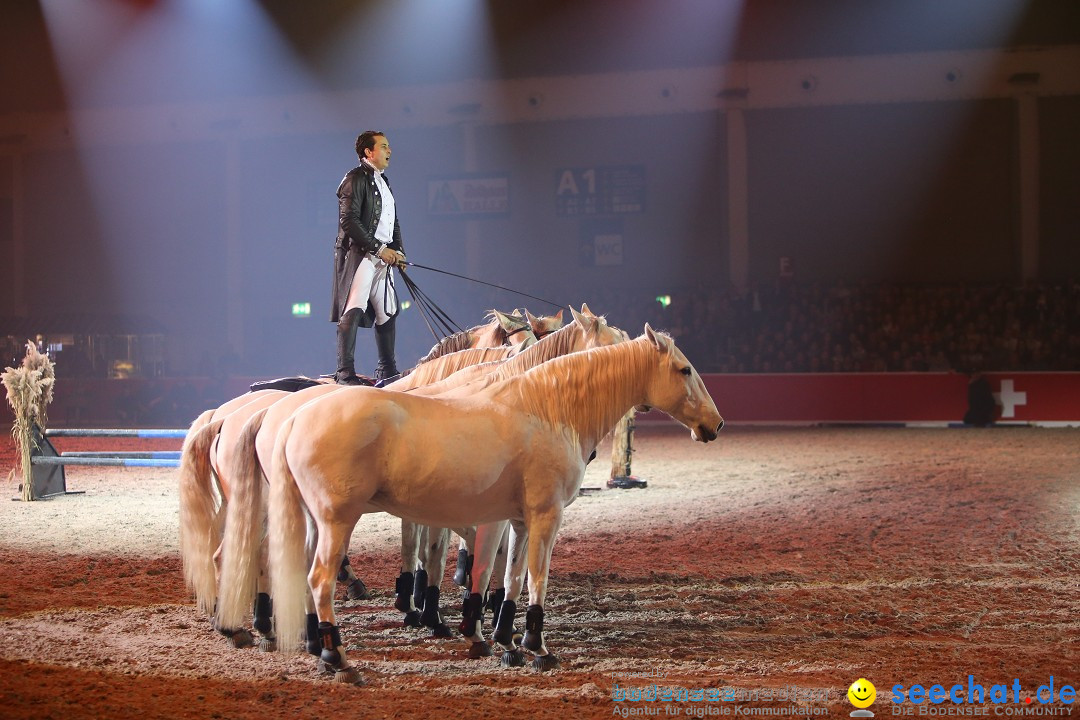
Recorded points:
(772,560)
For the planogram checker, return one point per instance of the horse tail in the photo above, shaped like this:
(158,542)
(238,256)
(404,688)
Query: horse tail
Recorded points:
(244,525)
(288,558)
(200,532)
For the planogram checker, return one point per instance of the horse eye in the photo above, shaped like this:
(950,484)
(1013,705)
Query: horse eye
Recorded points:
(685,371)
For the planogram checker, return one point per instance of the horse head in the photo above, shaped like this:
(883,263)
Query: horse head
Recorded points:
(596,331)
(544,325)
(677,389)
(518,330)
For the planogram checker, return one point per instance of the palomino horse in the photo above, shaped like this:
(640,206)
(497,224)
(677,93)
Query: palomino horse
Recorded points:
(433,541)
(516,449)
(242,469)
(254,451)
(202,505)
(230,611)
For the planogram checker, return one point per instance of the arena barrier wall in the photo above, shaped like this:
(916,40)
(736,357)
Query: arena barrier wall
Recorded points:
(883,398)
(939,398)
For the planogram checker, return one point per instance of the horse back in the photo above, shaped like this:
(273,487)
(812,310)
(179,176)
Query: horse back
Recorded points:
(435,461)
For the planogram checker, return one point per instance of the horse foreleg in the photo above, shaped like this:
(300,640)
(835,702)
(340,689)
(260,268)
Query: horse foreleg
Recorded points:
(467,539)
(434,561)
(513,580)
(321,580)
(420,578)
(403,588)
(488,538)
(311,626)
(542,526)
(497,583)
(355,589)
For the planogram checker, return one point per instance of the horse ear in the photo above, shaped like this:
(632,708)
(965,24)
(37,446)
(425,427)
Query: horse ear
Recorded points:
(558,316)
(587,322)
(585,309)
(662,343)
(506,322)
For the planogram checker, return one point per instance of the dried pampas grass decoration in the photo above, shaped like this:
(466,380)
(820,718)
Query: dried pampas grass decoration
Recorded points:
(29,391)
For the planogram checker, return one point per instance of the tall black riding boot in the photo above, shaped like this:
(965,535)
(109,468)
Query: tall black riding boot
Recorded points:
(385,336)
(346,348)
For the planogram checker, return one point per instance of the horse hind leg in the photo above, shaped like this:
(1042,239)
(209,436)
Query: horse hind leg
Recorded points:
(321,580)
(264,610)
(238,637)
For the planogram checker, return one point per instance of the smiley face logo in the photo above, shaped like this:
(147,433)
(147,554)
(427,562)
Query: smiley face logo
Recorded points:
(862,693)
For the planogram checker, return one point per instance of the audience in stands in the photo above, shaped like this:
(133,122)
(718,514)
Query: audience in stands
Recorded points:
(864,327)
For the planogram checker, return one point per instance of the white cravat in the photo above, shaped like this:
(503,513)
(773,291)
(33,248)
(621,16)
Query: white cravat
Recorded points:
(384,232)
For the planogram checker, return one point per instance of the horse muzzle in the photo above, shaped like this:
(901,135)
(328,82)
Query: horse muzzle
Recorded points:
(706,434)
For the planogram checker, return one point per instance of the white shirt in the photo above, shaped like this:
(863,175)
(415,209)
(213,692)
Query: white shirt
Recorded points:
(384,231)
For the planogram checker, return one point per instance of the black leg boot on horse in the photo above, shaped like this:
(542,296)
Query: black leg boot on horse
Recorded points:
(385,337)
(472,625)
(507,636)
(431,617)
(355,589)
(264,622)
(346,348)
(404,600)
(534,639)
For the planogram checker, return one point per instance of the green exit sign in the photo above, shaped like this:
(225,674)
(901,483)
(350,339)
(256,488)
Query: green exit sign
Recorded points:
(301,309)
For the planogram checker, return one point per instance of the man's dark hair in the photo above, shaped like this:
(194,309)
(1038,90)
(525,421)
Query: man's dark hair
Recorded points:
(366,141)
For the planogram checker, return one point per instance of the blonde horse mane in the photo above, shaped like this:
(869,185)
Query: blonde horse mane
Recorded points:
(613,371)
(441,367)
(553,345)
(454,343)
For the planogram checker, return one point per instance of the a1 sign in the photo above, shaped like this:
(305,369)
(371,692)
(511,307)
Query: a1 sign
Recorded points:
(604,190)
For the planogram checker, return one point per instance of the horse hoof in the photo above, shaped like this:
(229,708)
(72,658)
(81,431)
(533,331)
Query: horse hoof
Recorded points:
(441,631)
(479,650)
(241,639)
(412,619)
(325,668)
(348,676)
(545,662)
(357,590)
(268,644)
(513,658)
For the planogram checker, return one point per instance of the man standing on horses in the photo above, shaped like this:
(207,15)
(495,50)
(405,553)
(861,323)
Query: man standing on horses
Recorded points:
(368,246)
